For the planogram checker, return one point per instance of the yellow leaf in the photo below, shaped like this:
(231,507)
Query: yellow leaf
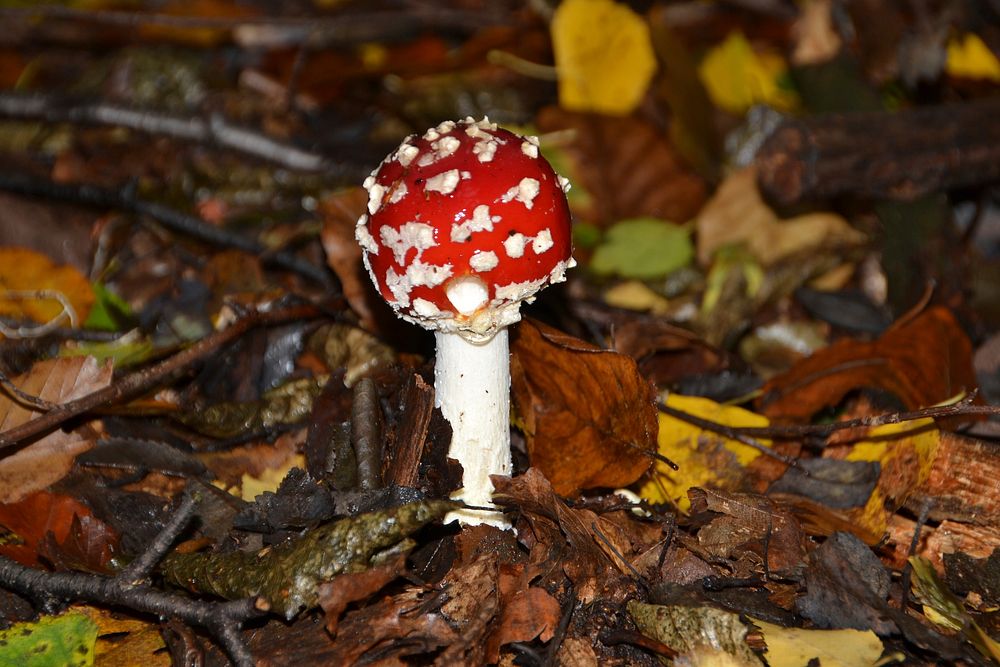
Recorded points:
(635,295)
(604,56)
(737,78)
(969,57)
(905,453)
(270,479)
(29,283)
(794,647)
(704,458)
(737,213)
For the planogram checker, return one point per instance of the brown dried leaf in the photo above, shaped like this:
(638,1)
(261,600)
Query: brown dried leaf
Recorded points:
(922,360)
(38,517)
(629,167)
(749,522)
(593,565)
(588,413)
(340,212)
(89,546)
(336,594)
(48,459)
(526,611)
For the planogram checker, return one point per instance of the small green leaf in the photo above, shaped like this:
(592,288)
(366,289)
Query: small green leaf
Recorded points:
(110,311)
(643,248)
(51,641)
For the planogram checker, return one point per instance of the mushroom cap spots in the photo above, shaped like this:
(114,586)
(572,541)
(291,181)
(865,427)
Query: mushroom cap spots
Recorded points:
(467,209)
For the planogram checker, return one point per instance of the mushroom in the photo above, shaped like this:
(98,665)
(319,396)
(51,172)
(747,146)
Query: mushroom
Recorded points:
(464,224)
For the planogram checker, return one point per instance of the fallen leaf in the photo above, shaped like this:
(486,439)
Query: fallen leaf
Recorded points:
(34,518)
(905,453)
(49,458)
(603,55)
(969,57)
(65,640)
(944,609)
(794,647)
(749,523)
(570,535)
(123,642)
(703,458)
(694,629)
(922,360)
(629,166)
(816,37)
(846,587)
(643,248)
(588,414)
(736,213)
(30,274)
(336,594)
(737,77)
(252,486)
(529,613)
(340,212)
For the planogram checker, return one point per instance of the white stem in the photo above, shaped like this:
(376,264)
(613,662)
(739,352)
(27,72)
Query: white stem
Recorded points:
(472,389)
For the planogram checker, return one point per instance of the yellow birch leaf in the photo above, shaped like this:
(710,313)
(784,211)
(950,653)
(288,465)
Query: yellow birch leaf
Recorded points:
(969,57)
(704,458)
(793,647)
(23,272)
(736,77)
(905,452)
(604,56)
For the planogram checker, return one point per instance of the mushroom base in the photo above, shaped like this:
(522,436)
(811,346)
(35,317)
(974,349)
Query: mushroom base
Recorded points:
(472,389)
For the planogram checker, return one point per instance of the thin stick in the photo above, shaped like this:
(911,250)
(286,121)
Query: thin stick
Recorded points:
(127,200)
(144,380)
(962,408)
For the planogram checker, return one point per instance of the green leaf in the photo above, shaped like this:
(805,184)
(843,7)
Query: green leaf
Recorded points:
(51,641)
(109,311)
(643,248)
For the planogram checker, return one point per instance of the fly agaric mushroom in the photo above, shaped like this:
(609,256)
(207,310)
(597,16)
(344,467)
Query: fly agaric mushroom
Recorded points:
(464,224)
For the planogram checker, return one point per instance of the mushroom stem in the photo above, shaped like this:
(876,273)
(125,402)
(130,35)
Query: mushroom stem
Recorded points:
(472,389)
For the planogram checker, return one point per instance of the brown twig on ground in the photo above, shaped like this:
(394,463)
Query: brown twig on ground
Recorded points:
(960,409)
(127,200)
(269,31)
(146,379)
(127,589)
(895,155)
(215,129)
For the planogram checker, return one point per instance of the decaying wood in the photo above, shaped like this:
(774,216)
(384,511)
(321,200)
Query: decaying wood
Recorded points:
(891,154)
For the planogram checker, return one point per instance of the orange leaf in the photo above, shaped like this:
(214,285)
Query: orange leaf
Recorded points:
(23,270)
(922,360)
(589,415)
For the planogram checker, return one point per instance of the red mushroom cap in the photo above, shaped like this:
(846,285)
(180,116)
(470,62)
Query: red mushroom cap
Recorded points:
(463,224)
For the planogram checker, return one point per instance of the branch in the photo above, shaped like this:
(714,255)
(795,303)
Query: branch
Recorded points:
(54,108)
(189,225)
(222,619)
(960,409)
(144,380)
(897,155)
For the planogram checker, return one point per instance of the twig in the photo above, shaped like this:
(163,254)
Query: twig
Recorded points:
(611,637)
(146,379)
(139,569)
(127,200)
(316,31)
(222,619)
(960,409)
(214,129)
(925,511)
(560,633)
(604,539)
